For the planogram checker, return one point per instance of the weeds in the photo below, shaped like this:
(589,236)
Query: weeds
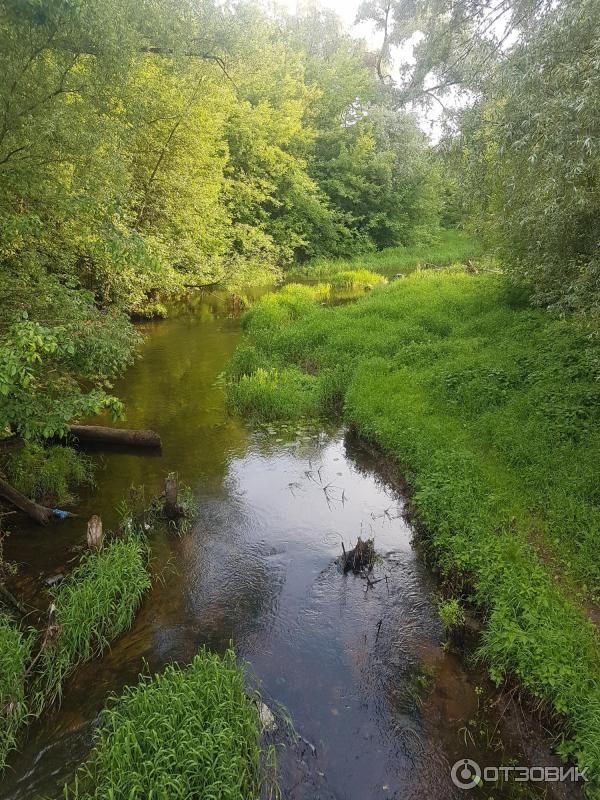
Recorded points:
(451,246)
(190,732)
(46,473)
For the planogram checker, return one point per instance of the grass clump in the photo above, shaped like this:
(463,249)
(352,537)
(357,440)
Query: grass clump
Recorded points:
(356,279)
(47,473)
(273,394)
(94,605)
(493,411)
(15,654)
(190,732)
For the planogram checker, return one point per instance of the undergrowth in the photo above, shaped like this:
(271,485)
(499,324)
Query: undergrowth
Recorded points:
(47,473)
(190,732)
(493,411)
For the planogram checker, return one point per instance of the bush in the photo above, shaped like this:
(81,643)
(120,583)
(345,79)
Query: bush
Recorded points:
(190,732)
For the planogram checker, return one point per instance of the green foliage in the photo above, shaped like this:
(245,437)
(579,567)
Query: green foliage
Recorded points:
(94,605)
(203,740)
(356,279)
(48,472)
(491,408)
(528,159)
(274,394)
(446,247)
(451,613)
(15,652)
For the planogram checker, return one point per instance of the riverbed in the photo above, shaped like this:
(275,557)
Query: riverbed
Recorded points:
(381,709)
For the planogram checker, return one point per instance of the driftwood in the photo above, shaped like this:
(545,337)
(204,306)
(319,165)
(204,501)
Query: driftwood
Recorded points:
(38,513)
(99,435)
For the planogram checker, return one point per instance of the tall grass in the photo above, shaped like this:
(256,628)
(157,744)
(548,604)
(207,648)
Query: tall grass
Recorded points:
(15,652)
(450,246)
(94,605)
(188,733)
(493,411)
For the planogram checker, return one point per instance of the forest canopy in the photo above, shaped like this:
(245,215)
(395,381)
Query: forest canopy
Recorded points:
(146,146)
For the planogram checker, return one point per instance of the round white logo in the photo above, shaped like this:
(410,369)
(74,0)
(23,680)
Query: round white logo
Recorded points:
(466,774)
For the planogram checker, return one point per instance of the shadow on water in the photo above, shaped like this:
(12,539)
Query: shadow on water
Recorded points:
(379,705)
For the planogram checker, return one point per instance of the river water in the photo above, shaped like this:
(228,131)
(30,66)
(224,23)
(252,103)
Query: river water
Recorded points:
(381,709)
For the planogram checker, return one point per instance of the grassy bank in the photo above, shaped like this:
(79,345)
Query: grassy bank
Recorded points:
(448,247)
(492,410)
(93,606)
(189,732)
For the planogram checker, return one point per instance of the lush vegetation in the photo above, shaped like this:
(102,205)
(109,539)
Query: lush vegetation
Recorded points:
(145,148)
(15,652)
(491,408)
(203,740)
(446,247)
(92,607)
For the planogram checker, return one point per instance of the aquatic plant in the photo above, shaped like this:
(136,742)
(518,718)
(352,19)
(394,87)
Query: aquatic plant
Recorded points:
(189,732)
(93,606)
(15,653)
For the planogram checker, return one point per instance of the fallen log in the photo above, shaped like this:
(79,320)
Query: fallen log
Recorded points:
(99,435)
(38,513)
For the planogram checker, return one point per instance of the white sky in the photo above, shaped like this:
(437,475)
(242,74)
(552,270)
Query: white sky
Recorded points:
(346,10)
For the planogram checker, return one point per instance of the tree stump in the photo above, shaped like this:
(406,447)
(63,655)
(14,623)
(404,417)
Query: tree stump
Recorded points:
(172,508)
(95,536)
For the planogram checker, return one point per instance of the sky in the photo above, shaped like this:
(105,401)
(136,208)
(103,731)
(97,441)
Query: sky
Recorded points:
(430,122)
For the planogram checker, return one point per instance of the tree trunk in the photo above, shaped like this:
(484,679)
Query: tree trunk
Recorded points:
(39,514)
(98,435)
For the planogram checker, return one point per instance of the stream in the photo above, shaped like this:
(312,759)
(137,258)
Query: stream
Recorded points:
(382,709)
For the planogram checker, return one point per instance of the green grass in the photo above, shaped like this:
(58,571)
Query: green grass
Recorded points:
(15,652)
(188,733)
(492,409)
(94,605)
(450,246)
